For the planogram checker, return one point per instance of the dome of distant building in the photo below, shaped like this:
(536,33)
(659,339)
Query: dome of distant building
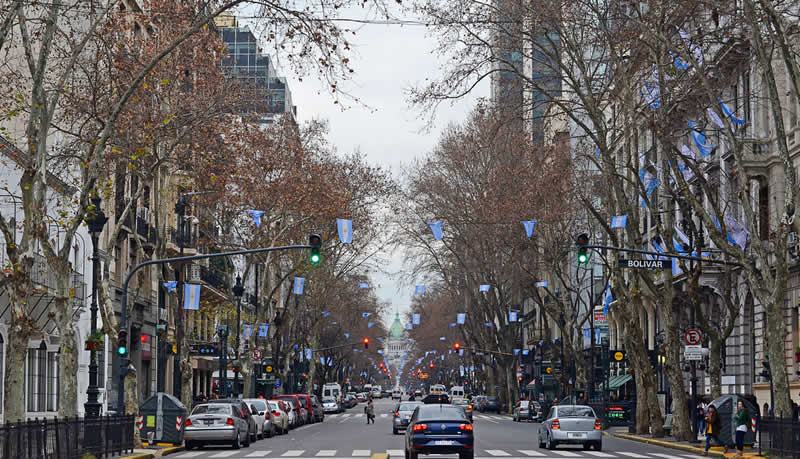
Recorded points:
(397,330)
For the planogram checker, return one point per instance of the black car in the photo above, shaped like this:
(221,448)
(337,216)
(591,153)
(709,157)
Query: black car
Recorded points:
(436,399)
(492,404)
(439,429)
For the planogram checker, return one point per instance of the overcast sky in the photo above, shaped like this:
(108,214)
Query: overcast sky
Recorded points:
(388,60)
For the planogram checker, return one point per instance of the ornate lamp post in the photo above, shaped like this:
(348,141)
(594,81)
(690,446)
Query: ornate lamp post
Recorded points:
(238,291)
(96,220)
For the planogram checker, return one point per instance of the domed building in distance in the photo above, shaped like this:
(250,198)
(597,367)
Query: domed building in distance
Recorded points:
(397,346)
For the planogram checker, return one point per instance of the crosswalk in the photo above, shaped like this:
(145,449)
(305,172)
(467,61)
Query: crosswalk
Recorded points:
(399,453)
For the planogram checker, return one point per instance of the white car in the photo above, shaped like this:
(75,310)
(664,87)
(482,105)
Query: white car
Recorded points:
(330,405)
(258,407)
(279,417)
(397,394)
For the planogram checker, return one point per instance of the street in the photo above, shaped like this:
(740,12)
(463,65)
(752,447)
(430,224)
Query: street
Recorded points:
(346,435)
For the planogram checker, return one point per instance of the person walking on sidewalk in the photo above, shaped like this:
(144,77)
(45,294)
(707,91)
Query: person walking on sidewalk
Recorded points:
(742,426)
(713,430)
(370,411)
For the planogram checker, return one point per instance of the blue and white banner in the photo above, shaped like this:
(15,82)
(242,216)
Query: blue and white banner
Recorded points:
(347,335)
(247,330)
(461,352)
(730,114)
(170,286)
(415,319)
(700,141)
(453,324)
(715,118)
(436,228)
(442,338)
(419,290)
(541,284)
(619,221)
(526,351)
(516,351)
(299,283)
(370,324)
(309,354)
(191,296)
(529,225)
(363,285)
(409,327)
(256,214)
(483,288)
(512,316)
(609,297)
(345,228)
(489,324)
(366,314)
(263,330)
(461,317)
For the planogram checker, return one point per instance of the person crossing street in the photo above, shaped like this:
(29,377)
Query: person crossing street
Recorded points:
(370,411)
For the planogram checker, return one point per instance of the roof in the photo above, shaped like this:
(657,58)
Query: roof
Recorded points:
(397,330)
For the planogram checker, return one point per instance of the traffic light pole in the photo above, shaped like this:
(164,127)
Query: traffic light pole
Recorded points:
(123,358)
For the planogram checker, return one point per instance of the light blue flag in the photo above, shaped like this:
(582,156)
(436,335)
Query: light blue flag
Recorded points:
(191,296)
(525,352)
(322,360)
(541,284)
(489,324)
(299,283)
(442,338)
(366,314)
(609,297)
(409,327)
(419,290)
(512,316)
(345,230)
(363,285)
(461,352)
(650,91)
(170,285)
(461,317)
(380,339)
(586,333)
(256,214)
(325,314)
(516,351)
(347,335)
(453,324)
(380,352)
(712,114)
(619,221)
(247,330)
(483,288)
(263,330)
(370,324)
(309,354)
(730,114)
(442,357)
(700,141)
(678,62)
(330,362)
(436,227)
(529,224)
(415,319)
(676,268)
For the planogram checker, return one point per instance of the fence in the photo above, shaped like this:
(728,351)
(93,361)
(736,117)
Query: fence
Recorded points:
(779,437)
(67,438)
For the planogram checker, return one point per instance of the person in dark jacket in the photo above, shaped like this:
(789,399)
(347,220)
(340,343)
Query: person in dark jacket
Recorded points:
(742,426)
(713,429)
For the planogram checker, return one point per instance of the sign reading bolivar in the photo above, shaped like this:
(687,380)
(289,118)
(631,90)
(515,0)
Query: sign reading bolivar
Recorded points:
(646,264)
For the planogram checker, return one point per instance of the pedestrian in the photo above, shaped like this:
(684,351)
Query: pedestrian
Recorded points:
(699,418)
(766,410)
(370,411)
(742,426)
(713,430)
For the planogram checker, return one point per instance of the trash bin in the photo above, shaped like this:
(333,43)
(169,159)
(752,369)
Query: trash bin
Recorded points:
(726,408)
(164,417)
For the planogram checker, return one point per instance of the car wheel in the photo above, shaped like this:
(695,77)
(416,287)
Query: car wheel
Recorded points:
(189,445)
(237,442)
(598,446)
(406,451)
(466,455)
(412,455)
(539,440)
(394,431)
(587,446)
(253,438)
(550,443)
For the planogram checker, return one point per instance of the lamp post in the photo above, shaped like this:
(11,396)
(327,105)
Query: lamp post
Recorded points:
(238,291)
(222,385)
(96,220)
(180,211)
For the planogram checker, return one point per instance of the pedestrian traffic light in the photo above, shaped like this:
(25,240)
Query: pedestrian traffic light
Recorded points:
(582,241)
(315,241)
(766,372)
(457,347)
(122,341)
(366,343)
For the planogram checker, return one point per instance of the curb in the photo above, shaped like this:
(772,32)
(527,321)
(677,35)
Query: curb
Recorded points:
(139,456)
(172,450)
(158,453)
(672,445)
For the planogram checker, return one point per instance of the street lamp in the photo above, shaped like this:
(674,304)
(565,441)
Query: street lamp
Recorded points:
(96,220)
(222,332)
(238,291)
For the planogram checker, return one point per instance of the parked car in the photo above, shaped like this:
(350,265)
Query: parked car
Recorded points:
(350,400)
(386,393)
(478,402)
(571,424)
(294,402)
(245,409)
(280,418)
(537,411)
(306,410)
(362,396)
(216,423)
(402,415)
(330,405)
(316,409)
(439,429)
(263,417)
(521,411)
(492,404)
(465,404)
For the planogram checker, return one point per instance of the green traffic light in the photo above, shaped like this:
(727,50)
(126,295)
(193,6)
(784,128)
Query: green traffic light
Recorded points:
(314,258)
(122,350)
(582,258)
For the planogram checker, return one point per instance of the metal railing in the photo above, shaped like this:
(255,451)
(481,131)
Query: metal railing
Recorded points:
(67,438)
(779,437)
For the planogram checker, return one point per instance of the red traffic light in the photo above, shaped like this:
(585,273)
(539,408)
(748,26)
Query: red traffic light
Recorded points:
(366,343)
(431,365)
(456,346)
(582,239)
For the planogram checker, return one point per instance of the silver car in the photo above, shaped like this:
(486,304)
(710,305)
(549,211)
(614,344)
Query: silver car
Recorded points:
(262,416)
(571,424)
(402,415)
(216,423)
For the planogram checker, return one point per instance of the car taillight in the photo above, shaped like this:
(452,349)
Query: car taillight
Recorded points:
(188,422)
(229,421)
(466,427)
(556,424)
(470,407)
(396,413)
(275,413)
(598,425)
(419,427)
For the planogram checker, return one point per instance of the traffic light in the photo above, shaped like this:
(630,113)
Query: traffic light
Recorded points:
(315,241)
(457,347)
(431,365)
(122,341)
(582,241)
(366,343)
(766,372)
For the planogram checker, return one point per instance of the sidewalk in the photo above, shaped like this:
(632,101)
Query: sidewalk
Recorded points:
(155,451)
(669,442)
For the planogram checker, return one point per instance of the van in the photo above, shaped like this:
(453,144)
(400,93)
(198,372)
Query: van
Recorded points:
(376,391)
(397,394)
(438,389)
(457,392)
(332,390)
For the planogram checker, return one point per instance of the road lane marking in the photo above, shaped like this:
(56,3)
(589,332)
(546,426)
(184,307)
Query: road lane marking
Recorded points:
(566,453)
(528,452)
(487,418)
(497,452)
(395,452)
(360,415)
(384,415)
(192,454)
(226,454)
(602,454)
(326,453)
(259,454)
(362,453)
(293,453)
(636,455)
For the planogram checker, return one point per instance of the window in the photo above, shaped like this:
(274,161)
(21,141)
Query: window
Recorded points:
(42,379)
(52,381)
(763,212)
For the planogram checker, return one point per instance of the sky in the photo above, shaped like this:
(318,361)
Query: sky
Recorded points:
(388,60)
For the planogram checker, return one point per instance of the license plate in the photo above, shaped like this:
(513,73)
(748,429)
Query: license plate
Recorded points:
(443,442)
(576,435)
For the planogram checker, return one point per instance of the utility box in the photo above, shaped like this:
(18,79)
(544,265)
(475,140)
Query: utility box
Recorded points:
(726,408)
(164,416)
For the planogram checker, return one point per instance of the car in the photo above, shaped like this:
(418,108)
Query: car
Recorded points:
(280,418)
(316,408)
(248,416)
(361,396)
(436,398)
(330,405)
(294,402)
(305,404)
(571,424)
(492,404)
(397,394)
(537,411)
(418,394)
(521,411)
(350,401)
(402,415)
(386,393)
(478,401)
(465,404)
(439,429)
(457,392)
(262,416)
(216,423)
(331,390)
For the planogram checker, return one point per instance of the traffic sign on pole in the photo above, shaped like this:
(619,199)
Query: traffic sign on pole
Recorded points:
(692,337)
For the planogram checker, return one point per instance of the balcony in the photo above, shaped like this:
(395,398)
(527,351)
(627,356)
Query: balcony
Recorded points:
(177,240)
(213,277)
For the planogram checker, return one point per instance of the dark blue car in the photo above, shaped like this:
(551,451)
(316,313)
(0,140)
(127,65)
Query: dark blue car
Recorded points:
(440,429)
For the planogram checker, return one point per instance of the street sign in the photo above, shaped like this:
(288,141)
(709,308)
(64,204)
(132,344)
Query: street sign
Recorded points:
(277,383)
(268,369)
(646,264)
(549,370)
(256,354)
(693,352)
(619,355)
(600,319)
(692,337)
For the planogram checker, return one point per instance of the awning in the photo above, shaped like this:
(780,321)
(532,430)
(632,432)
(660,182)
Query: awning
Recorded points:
(618,381)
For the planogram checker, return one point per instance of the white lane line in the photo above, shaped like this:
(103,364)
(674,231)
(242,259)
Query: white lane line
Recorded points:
(360,415)
(259,454)
(226,454)
(326,453)
(384,415)
(396,453)
(566,453)
(667,456)
(346,415)
(636,455)
(497,452)
(332,415)
(293,453)
(487,418)
(528,452)
(191,454)
(602,454)
(361,453)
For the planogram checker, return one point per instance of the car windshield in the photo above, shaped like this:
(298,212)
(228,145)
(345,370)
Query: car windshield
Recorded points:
(523,404)
(575,412)
(328,400)
(460,401)
(441,413)
(290,400)
(259,404)
(212,409)
(408,406)
(493,399)
(274,406)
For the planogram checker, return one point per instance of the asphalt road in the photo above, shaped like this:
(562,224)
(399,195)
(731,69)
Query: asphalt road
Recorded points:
(347,436)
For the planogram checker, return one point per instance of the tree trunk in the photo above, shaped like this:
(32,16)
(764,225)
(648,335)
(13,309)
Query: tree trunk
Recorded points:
(490,390)
(715,367)
(312,365)
(776,337)
(681,422)
(16,350)
(186,380)
(510,390)
(652,421)
(67,359)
